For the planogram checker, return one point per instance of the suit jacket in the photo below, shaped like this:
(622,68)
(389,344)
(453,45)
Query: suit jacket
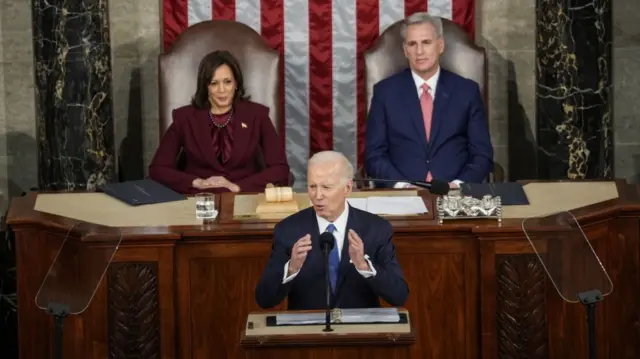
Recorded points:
(255,144)
(459,146)
(307,290)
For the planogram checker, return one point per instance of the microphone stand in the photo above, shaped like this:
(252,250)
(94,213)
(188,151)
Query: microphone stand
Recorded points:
(327,281)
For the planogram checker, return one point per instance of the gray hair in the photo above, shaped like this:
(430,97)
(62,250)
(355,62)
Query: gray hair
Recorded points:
(334,157)
(421,18)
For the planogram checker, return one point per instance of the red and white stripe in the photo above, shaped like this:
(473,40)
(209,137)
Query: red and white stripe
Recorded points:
(322,43)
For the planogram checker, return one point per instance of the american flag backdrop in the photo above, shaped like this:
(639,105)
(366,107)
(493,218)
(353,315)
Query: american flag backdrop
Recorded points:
(322,43)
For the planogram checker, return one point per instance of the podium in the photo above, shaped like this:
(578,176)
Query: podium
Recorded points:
(478,288)
(261,338)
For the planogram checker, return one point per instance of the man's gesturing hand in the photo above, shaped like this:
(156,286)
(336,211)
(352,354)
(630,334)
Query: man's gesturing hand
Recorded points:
(356,251)
(299,254)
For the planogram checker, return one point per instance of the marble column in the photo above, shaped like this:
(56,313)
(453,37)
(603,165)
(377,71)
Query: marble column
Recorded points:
(573,89)
(74,112)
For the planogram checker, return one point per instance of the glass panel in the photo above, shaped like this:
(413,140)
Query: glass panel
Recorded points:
(78,268)
(568,257)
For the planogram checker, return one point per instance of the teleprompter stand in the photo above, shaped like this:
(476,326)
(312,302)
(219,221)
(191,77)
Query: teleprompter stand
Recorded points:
(589,299)
(76,273)
(571,264)
(59,312)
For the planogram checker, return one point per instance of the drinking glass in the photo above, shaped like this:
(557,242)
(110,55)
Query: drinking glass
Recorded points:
(205,206)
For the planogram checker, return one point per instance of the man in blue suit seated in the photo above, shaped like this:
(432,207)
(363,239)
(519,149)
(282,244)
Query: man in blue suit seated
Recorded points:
(362,264)
(426,122)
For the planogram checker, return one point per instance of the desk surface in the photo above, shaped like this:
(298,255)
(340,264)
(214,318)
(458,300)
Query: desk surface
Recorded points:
(177,219)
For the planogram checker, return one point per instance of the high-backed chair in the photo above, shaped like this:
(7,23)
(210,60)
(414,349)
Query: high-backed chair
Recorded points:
(178,67)
(460,56)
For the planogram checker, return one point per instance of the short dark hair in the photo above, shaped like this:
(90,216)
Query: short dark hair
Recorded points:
(208,66)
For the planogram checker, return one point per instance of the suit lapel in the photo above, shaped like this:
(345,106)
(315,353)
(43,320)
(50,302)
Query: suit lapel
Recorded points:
(439,106)
(201,128)
(345,260)
(243,123)
(315,232)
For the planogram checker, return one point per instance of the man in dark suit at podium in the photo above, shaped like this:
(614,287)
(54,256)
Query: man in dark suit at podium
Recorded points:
(362,264)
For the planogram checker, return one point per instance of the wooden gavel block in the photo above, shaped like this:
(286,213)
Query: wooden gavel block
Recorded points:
(278,194)
(277,200)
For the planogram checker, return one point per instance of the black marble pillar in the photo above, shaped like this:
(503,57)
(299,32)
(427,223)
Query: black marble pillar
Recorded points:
(573,89)
(74,118)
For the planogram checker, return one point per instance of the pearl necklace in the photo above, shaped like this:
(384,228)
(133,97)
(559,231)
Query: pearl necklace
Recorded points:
(225,123)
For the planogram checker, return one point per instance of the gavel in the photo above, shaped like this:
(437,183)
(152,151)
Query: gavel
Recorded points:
(278,194)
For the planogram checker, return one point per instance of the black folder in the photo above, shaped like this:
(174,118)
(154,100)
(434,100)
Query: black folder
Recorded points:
(511,193)
(142,192)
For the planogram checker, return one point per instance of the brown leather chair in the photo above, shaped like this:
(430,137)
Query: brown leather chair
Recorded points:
(178,67)
(461,56)
(260,65)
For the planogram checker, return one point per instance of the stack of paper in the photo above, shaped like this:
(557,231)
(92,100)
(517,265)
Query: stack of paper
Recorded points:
(364,315)
(396,205)
(370,315)
(300,318)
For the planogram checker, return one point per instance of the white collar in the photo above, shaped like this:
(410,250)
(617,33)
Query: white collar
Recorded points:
(432,82)
(340,223)
(341,227)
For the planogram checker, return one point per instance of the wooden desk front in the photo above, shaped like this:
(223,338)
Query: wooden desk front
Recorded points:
(388,340)
(476,288)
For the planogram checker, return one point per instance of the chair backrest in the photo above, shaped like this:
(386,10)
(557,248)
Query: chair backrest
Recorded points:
(461,56)
(178,67)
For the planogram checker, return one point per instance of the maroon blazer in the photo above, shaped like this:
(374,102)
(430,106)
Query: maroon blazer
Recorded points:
(257,154)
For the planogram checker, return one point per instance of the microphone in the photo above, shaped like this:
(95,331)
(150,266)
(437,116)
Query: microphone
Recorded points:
(327,242)
(435,186)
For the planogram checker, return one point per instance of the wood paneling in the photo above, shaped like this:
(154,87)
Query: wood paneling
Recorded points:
(477,289)
(521,311)
(215,295)
(323,352)
(133,315)
(442,282)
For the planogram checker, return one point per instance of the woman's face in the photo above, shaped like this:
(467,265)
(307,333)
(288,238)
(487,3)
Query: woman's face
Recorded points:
(222,88)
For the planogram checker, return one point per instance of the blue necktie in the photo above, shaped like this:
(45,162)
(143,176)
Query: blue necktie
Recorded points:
(334,261)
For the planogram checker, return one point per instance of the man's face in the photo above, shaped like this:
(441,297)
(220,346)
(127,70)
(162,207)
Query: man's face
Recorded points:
(328,189)
(423,48)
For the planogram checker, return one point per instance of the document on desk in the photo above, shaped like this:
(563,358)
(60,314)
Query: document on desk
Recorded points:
(363,315)
(397,205)
(404,205)
(368,315)
(359,203)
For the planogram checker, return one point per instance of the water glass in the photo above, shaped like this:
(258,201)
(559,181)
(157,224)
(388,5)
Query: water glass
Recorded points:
(205,206)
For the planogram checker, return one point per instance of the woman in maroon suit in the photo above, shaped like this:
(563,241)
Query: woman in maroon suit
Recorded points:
(228,142)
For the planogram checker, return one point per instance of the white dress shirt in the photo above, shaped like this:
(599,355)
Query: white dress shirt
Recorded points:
(432,82)
(340,233)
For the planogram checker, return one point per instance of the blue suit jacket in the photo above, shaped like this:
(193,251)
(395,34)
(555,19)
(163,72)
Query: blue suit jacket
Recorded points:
(459,146)
(307,290)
